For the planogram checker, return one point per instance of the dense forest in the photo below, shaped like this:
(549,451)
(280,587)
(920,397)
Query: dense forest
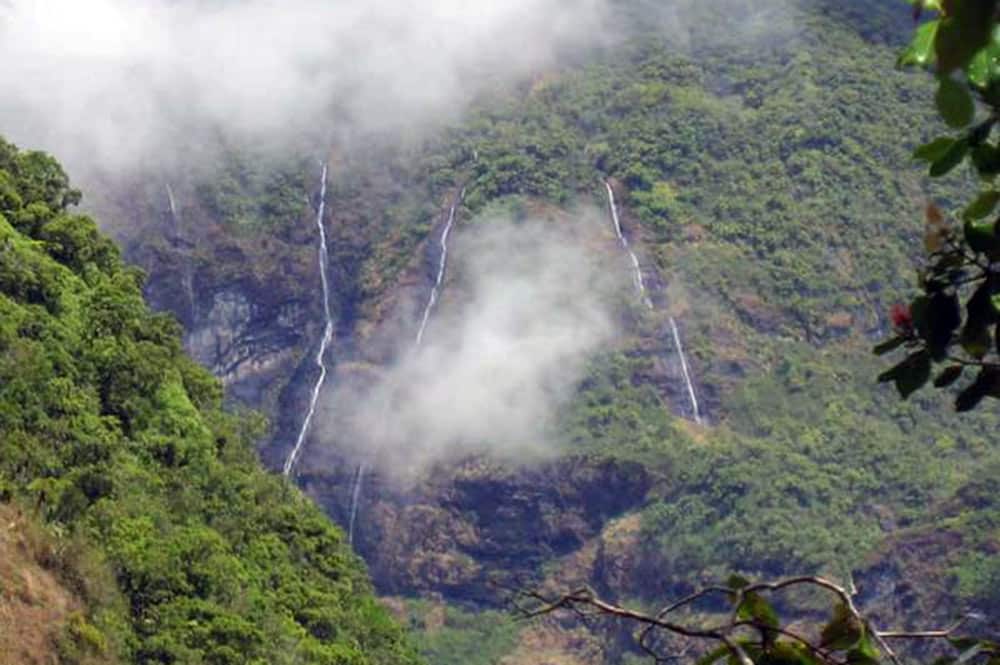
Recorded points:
(142,497)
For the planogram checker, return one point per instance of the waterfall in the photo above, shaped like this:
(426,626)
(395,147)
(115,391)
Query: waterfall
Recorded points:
(355,497)
(442,264)
(327,331)
(640,284)
(640,287)
(428,309)
(695,410)
(171,203)
(188,277)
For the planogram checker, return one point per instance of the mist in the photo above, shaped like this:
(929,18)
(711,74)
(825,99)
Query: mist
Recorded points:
(111,83)
(497,363)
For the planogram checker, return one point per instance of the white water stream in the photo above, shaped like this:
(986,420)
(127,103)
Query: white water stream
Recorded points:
(640,287)
(442,264)
(171,203)
(637,279)
(355,498)
(327,332)
(695,409)
(188,277)
(428,309)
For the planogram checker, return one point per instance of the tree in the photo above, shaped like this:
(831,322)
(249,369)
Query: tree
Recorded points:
(951,330)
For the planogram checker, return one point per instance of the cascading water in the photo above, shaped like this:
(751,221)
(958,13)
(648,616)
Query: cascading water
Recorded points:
(442,264)
(355,497)
(188,277)
(428,309)
(327,331)
(695,409)
(637,279)
(640,287)
(171,203)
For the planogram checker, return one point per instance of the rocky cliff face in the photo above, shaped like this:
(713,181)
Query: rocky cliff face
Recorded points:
(251,317)
(467,528)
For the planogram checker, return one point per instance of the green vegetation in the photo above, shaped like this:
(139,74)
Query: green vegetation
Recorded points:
(952,324)
(768,179)
(450,635)
(119,442)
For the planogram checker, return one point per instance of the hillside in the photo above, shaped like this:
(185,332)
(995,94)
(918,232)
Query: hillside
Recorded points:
(760,157)
(159,538)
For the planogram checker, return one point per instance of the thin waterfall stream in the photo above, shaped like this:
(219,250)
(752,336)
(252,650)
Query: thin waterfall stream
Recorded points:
(188,277)
(327,331)
(637,279)
(640,286)
(442,264)
(171,203)
(695,409)
(428,310)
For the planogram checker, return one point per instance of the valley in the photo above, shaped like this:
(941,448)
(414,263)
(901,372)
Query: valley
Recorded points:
(608,324)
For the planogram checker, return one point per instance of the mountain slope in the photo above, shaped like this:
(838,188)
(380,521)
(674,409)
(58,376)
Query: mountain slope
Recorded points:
(761,155)
(119,442)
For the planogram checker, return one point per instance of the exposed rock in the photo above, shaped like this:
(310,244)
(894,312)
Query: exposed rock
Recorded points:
(469,527)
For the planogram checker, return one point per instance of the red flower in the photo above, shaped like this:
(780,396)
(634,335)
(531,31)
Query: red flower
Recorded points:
(901,317)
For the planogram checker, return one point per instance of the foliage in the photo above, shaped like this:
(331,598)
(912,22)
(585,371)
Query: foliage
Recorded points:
(120,441)
(950,331)
(451,636)
(753,630)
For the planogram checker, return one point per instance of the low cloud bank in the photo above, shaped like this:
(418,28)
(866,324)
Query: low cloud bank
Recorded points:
(498,361)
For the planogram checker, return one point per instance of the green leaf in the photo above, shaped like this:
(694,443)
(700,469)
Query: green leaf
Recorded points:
(920,52)
(843,631)
(944,316)
(978,71)
(888,345)
(987,384)
(864,653)
(980,236)
(948,376)
(963,643)
(950,159)
(786,653)
(980,315)
(982,206)
(737,582)
(969,654)
(975,339)
(910,375)
(935,150)
(919,309)
(713,656)
(981,132)
(755,607)
(962,34)
(954,103)
(986,159)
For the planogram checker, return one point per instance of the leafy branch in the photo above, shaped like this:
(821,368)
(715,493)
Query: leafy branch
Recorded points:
(752,632)
(955,321)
